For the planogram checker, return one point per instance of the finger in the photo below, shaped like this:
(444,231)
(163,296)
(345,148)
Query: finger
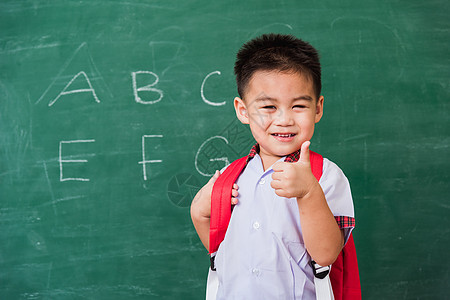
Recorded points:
(278,167)
(277,176)
(235,186)
(281,193)
(304,152)
(276,184)
(234,201)
(234,193)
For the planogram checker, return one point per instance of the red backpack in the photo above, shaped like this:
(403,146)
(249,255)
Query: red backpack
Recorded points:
(344,275)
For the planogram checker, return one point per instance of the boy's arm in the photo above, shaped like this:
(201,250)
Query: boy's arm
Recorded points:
(321,234)
(201,208)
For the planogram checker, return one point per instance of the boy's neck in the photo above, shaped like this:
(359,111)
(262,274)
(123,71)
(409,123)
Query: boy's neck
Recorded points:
(268,162)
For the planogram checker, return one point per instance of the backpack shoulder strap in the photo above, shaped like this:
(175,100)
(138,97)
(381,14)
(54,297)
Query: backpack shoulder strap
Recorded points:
(221,203)
(344,275)
(316,164)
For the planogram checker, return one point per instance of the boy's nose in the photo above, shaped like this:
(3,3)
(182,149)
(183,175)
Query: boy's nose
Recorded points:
(283,118)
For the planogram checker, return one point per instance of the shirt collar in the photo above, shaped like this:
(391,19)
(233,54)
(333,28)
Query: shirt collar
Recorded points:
(293,157)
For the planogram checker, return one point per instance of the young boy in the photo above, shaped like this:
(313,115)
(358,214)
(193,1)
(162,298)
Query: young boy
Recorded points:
(283,217)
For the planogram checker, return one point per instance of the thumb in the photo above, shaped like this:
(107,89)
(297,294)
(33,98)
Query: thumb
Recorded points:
(304,153)
(214,177)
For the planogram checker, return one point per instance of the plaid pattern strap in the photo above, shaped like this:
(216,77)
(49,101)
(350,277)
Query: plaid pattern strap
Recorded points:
(345,222)
(293,157)
(253,152)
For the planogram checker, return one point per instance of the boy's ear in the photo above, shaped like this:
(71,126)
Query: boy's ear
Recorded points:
(319,109)
(241,110)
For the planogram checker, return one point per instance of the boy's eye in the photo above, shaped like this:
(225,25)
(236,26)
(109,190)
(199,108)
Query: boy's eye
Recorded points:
(269,107)
(299,106)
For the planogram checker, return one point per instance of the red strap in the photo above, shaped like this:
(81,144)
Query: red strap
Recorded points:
(221,203)
(316,164)
(344,275)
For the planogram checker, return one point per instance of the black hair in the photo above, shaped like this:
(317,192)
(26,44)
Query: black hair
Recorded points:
(279,52)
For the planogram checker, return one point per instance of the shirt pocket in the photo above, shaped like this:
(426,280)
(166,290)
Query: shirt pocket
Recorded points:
(285,221)
(296,251)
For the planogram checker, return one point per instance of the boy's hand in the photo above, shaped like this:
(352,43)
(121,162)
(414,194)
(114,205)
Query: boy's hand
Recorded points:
(201,208)
(294,179)
(202,200)
(234,194)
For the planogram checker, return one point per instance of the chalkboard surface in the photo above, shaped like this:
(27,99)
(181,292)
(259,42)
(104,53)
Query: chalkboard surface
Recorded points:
(114,113)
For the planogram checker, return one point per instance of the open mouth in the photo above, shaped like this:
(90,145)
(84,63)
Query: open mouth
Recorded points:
(287,135)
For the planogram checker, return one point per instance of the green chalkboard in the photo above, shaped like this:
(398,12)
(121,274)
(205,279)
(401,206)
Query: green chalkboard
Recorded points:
(114,113)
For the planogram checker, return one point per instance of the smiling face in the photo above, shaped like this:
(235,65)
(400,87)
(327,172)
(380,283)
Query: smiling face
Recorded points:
(281,109)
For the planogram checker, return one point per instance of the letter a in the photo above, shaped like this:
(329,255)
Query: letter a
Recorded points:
(66,92)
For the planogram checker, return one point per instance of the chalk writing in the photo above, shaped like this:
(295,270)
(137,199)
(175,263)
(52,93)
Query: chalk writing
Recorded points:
(145,91)
(66,92)
(202,147)
(203,94)
(147,88)
(66,64)
(144,160)
(62,161)
(207,149)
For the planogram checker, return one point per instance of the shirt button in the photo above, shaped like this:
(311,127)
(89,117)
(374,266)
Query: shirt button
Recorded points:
(262,181)
(256,225)
(256,272)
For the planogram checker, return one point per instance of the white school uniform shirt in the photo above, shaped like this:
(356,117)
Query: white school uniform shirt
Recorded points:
(263,255)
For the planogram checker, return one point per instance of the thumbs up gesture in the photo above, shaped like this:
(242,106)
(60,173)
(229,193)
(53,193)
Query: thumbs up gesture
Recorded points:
(294,179)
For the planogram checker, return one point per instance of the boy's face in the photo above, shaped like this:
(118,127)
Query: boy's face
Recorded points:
(282,109)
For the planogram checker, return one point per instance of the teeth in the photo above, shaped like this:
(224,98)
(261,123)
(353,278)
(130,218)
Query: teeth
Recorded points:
(283,135)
